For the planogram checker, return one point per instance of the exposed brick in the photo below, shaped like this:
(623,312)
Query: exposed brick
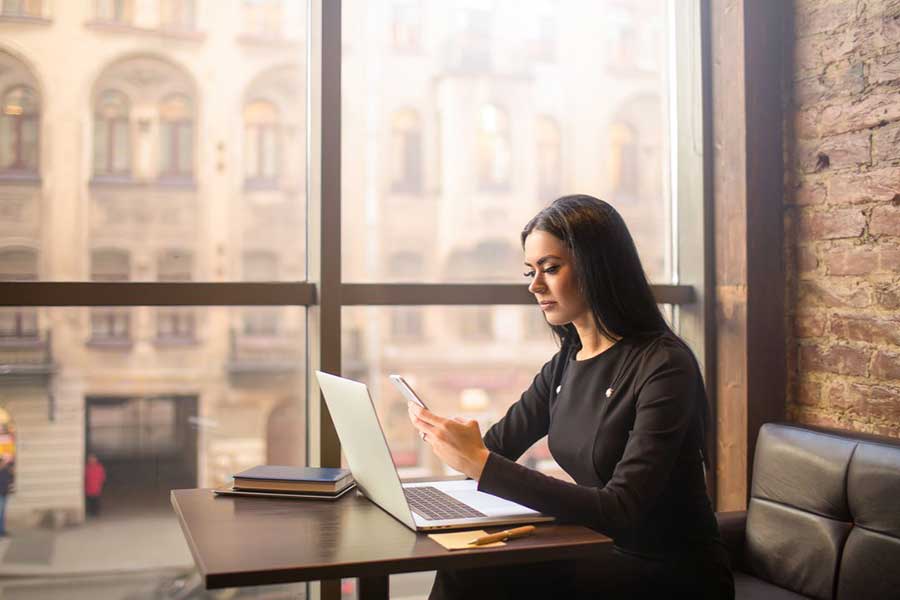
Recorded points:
(808,190)
(879,401)
(874,330)
(886,366)
(885,220)
(810,19)
(806,124)
(879,185)
(870,110)
(839,223)
(844,360)
(807,262)
(887,295)
(886,143)
(885,68)
(842,79)
(816,418)
(808,325)
(809,393)
(832,294)
(860,260)
(836,396)
(843,151)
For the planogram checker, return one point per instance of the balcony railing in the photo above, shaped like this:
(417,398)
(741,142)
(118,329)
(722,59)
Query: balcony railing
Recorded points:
(26,357)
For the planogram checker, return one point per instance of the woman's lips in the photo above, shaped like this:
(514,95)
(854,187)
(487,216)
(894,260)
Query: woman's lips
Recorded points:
(547,305)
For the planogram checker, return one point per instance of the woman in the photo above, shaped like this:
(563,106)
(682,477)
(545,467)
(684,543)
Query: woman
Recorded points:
(624,409)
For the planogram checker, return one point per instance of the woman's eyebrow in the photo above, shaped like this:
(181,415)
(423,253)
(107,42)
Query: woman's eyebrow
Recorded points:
(542,260)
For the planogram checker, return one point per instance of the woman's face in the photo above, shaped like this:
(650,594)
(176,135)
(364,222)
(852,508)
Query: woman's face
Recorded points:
(553,279)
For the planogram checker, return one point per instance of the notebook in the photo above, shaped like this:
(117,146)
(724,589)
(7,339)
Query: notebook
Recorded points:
(421,506)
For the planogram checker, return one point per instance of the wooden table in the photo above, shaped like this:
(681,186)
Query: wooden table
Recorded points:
(238,541)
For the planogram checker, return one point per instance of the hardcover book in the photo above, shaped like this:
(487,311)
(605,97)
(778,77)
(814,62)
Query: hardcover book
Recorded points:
(293,479)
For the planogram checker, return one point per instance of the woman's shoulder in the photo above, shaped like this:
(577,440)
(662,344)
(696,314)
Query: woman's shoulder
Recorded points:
(663,350)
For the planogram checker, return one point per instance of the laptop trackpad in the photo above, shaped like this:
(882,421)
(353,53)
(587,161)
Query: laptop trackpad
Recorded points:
(467,492)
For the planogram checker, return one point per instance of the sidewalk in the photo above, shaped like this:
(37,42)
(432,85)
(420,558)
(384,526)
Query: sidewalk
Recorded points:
(104,545)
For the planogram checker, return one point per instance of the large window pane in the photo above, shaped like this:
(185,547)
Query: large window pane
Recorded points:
(161,155)
(468,361)
(460,120)
(158,415)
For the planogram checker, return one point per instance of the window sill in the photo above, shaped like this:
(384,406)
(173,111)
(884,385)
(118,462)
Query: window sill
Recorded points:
(174,33)
(187,183)
(19,178)
(22,342)
(110,344)
(175,342)
(35,20)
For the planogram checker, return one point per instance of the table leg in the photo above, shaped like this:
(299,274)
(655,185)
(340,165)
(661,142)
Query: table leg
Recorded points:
(373,588)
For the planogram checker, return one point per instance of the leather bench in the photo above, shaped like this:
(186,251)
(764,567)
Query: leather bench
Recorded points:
(823,520)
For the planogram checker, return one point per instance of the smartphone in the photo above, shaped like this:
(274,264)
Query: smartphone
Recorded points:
(406,390)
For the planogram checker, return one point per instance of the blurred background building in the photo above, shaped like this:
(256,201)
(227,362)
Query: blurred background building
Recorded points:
(164,140)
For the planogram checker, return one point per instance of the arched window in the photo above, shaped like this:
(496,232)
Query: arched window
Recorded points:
(19,130)
(112,134)
(494,148)
(22,8)
(176,137)
(549,163)
(406,151)
(262,142)
(18,264)
(115,11)
(179,15)
(623,161)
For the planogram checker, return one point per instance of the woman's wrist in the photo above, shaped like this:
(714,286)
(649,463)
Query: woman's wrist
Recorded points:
(480,462)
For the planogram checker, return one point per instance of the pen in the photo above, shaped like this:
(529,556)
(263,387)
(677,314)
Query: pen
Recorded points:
(502,536)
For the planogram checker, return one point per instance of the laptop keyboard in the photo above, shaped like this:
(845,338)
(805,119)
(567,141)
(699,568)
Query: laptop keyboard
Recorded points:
(434,505)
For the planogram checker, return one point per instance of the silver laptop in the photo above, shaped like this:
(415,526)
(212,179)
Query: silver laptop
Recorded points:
(421,506)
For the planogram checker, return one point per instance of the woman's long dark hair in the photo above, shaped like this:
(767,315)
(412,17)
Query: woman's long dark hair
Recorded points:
(610,276)
(607,267)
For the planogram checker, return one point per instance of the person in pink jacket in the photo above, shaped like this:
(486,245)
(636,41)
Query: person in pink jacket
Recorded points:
(94,477)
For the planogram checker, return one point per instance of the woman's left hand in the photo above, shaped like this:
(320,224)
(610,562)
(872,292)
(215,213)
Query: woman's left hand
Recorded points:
(457,441)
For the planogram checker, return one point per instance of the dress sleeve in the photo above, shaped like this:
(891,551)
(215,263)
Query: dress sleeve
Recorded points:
(663,414)
(526,421)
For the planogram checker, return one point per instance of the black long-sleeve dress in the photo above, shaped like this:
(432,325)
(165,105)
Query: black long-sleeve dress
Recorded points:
(628,425)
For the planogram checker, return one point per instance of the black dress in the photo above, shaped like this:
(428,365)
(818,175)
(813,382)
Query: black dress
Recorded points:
(628,425)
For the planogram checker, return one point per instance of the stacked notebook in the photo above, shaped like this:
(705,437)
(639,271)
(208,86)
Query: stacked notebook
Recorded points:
(291,482)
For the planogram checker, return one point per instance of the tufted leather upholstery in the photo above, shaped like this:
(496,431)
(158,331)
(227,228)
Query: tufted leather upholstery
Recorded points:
(823,519)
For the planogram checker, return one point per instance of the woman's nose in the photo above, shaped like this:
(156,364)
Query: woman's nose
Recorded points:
(536,284)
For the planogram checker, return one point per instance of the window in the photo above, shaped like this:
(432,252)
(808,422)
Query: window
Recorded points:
(110,325)
(262,143)
(261,321)
(406,26)
(19,131)
(18,264)
(176,137)
(112,134)
(175,324)
(115,11)
(549,162)
(406,152)
(623,161)
(494,148)
(407,322)
(179,15)
(22,8)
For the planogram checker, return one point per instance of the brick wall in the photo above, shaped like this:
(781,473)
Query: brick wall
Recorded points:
(842,215)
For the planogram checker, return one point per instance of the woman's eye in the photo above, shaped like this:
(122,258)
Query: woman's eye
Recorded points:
(552,269)
(528,274)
